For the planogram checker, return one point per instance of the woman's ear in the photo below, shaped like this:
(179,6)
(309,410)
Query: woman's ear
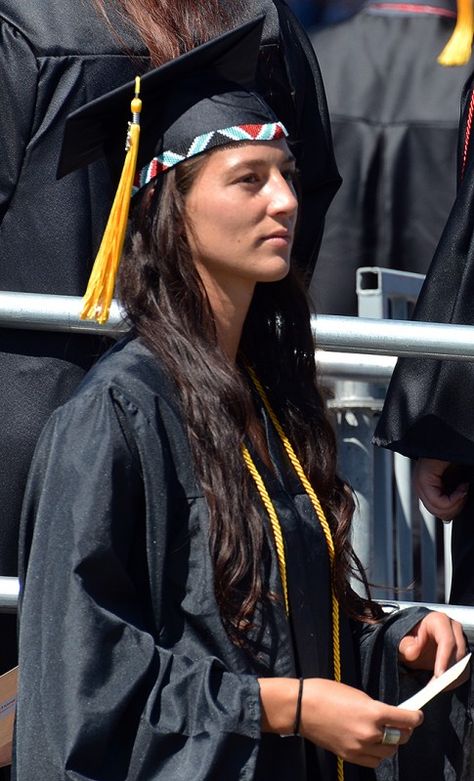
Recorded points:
(148,196)
(145,199)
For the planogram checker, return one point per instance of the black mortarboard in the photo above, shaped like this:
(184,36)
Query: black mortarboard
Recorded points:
(206,90)
(201,100)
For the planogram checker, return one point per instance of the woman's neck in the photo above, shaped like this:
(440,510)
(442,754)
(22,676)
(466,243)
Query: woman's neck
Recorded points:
(230,308)
(229,325)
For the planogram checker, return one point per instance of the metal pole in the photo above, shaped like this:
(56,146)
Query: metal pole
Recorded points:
(355,366)
(9,590)
(39,312)
(403,523)
(394,337)
(429,579)
(448,564)
(461,613)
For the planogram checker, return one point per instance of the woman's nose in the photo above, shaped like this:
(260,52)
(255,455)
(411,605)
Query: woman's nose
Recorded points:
(284,198)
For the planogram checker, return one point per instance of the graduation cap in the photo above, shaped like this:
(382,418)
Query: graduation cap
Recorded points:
(458,49)
(199,101)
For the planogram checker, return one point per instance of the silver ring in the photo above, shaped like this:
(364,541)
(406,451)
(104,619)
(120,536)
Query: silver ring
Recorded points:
(391,736)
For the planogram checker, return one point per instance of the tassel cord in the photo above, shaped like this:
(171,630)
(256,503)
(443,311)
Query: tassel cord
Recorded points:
(278,535)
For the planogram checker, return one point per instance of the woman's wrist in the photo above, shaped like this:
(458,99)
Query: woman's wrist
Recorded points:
(281,700)
(299,707)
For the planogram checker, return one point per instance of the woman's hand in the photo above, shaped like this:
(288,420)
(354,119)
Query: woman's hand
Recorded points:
(435,643)
(351,724)
(337,717)
(429,485)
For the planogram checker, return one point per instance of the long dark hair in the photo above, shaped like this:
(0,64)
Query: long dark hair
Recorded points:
(167,304)
(169,28)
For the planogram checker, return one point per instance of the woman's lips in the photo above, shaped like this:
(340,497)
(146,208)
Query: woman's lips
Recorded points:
(281,238)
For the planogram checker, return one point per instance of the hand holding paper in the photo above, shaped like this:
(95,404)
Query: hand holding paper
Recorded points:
(436,685)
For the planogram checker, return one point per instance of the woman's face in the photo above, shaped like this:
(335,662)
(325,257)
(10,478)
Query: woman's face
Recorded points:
(241,213)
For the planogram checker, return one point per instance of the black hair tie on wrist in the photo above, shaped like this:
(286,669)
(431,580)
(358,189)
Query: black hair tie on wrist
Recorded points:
(296,728)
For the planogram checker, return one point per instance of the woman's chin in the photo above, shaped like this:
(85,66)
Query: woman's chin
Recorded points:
(276,270)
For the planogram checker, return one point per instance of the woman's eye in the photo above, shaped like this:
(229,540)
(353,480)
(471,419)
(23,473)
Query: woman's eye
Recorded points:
(249,179)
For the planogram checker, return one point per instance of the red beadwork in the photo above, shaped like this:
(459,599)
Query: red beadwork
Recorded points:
(467,137)
(413,8)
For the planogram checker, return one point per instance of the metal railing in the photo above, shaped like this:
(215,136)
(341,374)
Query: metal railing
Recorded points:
(356,348)
(394,337)
(35,311)
(9,592)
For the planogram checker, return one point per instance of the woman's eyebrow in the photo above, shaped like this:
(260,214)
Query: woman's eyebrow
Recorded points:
(258,161)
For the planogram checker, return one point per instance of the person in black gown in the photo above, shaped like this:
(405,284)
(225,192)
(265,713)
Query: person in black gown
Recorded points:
(185,539)
(54,57)
(394,113)
(427,414)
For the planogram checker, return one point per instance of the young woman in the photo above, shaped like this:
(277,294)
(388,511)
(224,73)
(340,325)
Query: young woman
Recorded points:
(287,76)
(186,603)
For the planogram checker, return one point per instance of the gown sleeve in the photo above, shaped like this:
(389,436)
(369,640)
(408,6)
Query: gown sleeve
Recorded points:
(18,86)
(99,698)
(438,748)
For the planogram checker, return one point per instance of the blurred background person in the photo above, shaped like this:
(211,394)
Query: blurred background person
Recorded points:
(55,55)
(307,11)
(428,412)
(321,12)
(394,114)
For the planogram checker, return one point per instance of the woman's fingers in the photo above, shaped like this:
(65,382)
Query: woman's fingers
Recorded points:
(370,754)
(451,647)
(351,724)
(435,643)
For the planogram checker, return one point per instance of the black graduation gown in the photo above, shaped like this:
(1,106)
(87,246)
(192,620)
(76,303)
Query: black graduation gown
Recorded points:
(57,55)
(428,410)
(126,671)
(394,113)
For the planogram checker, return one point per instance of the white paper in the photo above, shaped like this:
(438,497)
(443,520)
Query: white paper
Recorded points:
(436,685)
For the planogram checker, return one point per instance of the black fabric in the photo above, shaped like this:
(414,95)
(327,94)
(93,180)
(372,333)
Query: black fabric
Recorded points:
(462,547)
(428,409)
(210,88)
(439,749)
(394,113)
(56,56)
(290,81)
(126,669)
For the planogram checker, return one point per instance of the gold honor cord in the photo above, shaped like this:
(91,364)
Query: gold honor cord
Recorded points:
(275,523)
(277,533)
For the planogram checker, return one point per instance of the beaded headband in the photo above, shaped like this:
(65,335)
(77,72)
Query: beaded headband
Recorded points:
(271,131)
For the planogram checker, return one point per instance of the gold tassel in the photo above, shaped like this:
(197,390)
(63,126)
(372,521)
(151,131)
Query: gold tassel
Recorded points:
(100,290)
(458,49)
